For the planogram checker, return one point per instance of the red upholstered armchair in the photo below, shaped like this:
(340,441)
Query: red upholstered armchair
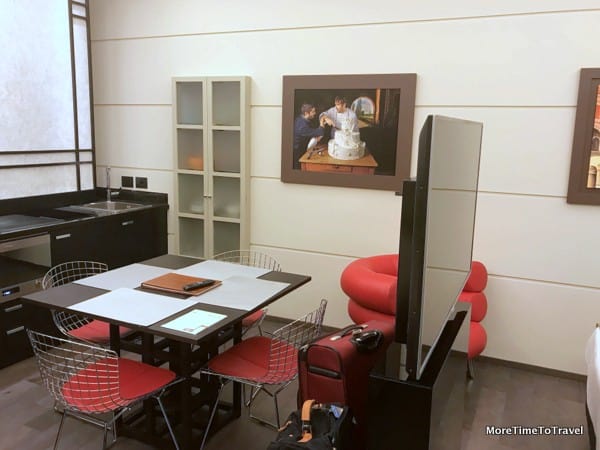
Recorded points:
(473,293)
(370,284)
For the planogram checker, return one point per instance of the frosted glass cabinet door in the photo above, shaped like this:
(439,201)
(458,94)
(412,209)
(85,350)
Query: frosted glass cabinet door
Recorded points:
(226,103)
(190,110)
(226,197)
(191,237)
(226,151)
(191,193)
(190,149)
(226,237)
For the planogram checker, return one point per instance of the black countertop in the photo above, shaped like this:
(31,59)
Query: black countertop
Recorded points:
(33,215)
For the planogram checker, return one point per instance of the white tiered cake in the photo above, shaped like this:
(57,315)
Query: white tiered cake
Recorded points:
(346,143)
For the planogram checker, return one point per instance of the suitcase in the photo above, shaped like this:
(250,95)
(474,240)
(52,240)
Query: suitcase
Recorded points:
(335,369)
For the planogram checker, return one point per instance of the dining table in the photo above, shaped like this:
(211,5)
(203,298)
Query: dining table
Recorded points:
(181,332)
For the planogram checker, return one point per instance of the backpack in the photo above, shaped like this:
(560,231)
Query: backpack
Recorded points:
(316,427)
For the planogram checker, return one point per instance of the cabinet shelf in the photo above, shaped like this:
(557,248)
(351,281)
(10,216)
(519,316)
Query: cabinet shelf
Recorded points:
(211,141)
(226,175)
(181,126)
(226,219)
(191,215)
(190,172)
(226,127)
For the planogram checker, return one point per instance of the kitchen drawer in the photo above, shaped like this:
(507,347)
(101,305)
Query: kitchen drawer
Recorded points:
(15,318)
(13,314)
(15,345)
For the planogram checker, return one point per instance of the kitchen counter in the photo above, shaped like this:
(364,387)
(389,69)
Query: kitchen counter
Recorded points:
(41,232)
(43,214)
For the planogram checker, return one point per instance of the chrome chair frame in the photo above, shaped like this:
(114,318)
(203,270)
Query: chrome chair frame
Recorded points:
(282,367)
(78,373)
(65,273)
(253,259)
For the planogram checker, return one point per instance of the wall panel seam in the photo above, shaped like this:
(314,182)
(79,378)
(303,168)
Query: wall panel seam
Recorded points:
(542,281)
(522,194)
(423,105)
(300,250)
(357,25)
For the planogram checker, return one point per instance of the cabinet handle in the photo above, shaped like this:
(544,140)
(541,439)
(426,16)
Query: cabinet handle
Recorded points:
(13,308)
(62,236)
(127,222)
(15,330)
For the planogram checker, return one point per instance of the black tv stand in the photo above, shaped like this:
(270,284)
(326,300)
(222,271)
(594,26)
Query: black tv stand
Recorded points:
(425,414)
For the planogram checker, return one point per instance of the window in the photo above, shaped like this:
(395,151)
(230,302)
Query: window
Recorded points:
(46,122)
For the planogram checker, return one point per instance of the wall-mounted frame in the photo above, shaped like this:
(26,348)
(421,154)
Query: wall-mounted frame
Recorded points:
(382,111)
(584,179)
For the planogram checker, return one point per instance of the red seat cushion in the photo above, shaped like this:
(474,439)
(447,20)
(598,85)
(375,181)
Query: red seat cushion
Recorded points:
(478,303)
(250,360)
(248,321)
(96,331)
(477,339)
(477,280)
(102,387)
(360,314)
(371,282)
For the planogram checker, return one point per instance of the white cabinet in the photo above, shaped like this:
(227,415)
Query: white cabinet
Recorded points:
(211,141)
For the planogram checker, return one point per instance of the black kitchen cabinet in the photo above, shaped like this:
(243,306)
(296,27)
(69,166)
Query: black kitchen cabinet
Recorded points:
(116,240)
(86,240)
(15,319)
(136,236)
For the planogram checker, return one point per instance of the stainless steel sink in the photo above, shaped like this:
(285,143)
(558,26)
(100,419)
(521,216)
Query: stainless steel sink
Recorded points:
(112,207)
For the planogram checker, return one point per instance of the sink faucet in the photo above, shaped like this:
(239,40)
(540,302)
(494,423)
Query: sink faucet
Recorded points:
(109,193)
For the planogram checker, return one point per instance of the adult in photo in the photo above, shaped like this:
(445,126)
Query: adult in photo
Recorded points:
(305,129)
(339,114)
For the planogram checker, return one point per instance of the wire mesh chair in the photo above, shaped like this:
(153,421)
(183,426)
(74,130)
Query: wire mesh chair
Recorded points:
(71,324)
(261,362)
(89,381)
(254,259)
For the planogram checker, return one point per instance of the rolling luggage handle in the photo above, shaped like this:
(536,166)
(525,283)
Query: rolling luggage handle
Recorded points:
(346,331)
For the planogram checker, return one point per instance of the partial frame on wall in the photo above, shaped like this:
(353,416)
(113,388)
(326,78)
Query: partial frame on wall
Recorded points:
(584,178)
(382,110)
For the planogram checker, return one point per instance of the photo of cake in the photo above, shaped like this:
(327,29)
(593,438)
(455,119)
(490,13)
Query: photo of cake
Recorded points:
(346,143)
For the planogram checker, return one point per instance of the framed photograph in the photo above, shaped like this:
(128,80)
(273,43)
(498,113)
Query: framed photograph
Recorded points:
(584,179)
(348,130)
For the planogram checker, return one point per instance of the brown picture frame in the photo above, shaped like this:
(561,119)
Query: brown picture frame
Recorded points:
(386,117)
(583,173)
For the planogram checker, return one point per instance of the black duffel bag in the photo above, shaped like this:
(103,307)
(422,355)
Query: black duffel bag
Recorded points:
(316,427)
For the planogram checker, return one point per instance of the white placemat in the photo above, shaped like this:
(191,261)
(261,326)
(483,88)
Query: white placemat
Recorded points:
(241,292)
(131,306)
(130,276)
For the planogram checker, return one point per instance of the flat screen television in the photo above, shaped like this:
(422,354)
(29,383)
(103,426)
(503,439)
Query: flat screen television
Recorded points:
(436,234)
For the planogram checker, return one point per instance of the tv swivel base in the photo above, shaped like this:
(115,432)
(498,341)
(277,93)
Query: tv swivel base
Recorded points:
(426,414)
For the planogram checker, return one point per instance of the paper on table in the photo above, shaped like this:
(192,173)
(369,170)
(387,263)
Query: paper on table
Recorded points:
(241,292)
(131,306)
(219,270)
(194,321)
(130,276)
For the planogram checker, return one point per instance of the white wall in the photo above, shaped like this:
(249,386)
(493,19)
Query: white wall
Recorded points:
(513,66)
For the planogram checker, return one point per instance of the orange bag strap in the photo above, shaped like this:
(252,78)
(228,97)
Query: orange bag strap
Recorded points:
(305,417)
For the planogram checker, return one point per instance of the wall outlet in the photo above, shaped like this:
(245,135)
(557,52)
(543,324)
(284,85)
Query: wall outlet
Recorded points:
(141,182)
(127,182)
